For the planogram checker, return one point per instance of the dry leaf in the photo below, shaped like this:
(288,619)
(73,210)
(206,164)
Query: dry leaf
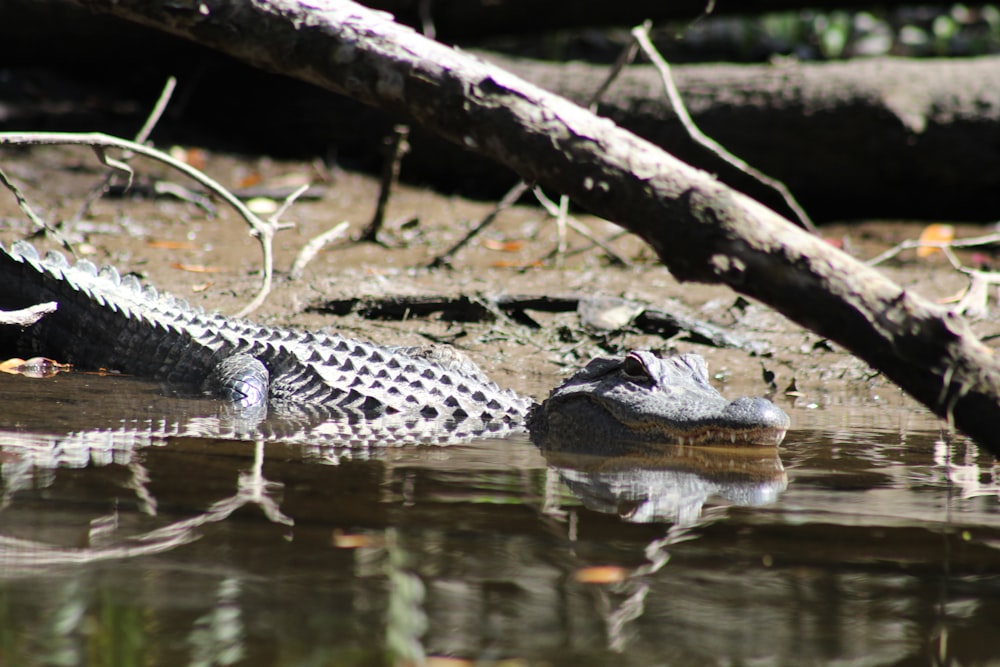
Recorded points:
(601,574)
(171,245)
(936,233)
(196,268)
(503,246)
(194,157)
(250,180)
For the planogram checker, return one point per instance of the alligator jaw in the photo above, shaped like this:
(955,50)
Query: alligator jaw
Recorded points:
(582,419)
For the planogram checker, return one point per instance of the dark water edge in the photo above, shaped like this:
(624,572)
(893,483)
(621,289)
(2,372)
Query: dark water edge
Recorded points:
(867,539)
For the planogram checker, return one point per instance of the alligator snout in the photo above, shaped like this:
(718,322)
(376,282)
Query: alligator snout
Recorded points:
(646,398)
(758,415)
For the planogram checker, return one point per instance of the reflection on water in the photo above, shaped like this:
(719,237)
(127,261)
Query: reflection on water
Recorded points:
(865,539)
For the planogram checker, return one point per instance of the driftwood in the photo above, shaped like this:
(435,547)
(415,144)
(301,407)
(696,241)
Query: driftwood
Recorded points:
(700,228)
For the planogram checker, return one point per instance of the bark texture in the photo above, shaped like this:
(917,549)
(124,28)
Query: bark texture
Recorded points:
(700,228)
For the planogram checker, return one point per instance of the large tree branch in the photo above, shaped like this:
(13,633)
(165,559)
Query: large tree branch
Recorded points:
(700,228)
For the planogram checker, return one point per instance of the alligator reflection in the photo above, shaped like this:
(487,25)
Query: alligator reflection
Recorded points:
(643,483)
(646,483)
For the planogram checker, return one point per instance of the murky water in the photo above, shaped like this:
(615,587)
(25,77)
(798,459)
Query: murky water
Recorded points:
(864,540)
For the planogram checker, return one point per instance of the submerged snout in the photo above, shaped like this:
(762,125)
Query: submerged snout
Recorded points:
(757,415)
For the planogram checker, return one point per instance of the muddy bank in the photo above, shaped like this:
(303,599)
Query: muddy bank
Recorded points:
(208,258)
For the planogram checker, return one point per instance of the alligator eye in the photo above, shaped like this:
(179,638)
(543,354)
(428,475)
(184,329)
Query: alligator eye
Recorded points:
(634,369)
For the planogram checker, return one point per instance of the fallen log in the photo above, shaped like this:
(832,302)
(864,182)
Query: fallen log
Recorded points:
(701,229)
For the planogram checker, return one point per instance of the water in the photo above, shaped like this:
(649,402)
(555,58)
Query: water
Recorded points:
(866,539)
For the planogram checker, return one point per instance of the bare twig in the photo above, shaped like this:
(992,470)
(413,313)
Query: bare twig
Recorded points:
(263,230)
(579,228)
(157,111)
(287,203)
(909,244)
(625,58)
(641,34)
(561,215)
(143,135)
(974,302)
(25,207)
(312,248)
(506,202)
(397,147)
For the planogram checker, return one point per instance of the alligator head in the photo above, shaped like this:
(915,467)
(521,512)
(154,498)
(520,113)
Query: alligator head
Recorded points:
(645,398)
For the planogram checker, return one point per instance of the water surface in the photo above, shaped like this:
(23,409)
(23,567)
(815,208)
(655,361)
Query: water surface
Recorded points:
(137,529)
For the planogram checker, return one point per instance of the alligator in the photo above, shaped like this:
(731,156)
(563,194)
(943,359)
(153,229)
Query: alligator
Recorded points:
(389,394)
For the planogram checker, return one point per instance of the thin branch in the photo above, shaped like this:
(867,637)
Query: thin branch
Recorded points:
(157,112)
(143,135)
(909,244)
(641,34)
(426,20)
(396,148)
(263,230)
(22,203)
(578,227)
(625,58)
(506,202)
(312,248)
(974,301)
